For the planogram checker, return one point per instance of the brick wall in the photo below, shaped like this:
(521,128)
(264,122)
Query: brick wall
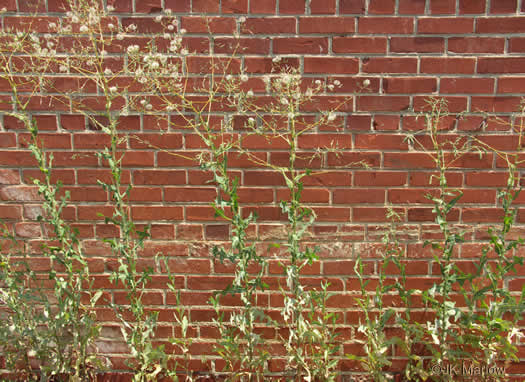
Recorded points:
(389,56)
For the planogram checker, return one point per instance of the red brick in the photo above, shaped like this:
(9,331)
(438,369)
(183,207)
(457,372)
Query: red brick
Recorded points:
(428,178)
(319,7)
(93,176)
(46,122)
(473,123)
(358,196)
(381,7)
(452,85)
(486,179)
(184,194)
(10,5)
(476,45)
(447,65)
(279,25)
(441,25)
(319,25)
(190,266)
(383,103)
(501,25)
(332,214)
(380,178)
(501,65)
(354,159)
(442,7)
(327,179)
(159,177)
(386,122)
(144,24)
(32,6)
(156,213)
(409,85)
(386,25)
(417,44)
(148,6)
(292,6)
(297,45)
(309,195)
(9,140)
(268,6)
(13,123)
(496,104)
(20,193)
(455,104)
(16,158)
(8,176)
(410,195)
(58,5)
(189,231)
(503,6)
(359,44)
(262,178)
(242,46)
(145,194)
(471,160)
(64,176)
(309,141)
(48,140)
(201,65)
(321,102)
(352,6)
(339,65)
(390,65)
(234,6)
(10,212)
(126,6)
(201,213)
(255,195)
(516,45)
(217,232)
(368,214)
(71,158)
(511,84)
(479,215)
(411,7)
(44,103)
(196,24)
(205,6)
(408,160)
(303,159)
(380,141)
(471,7)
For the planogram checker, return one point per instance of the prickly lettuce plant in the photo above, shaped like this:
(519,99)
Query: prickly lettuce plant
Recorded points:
(311,344)
(88,58)
(149,361)
(72,324)
(377,345)
(490,323)
(22,336)
(483,330)
(63,329)
(438,298)
(240,345)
